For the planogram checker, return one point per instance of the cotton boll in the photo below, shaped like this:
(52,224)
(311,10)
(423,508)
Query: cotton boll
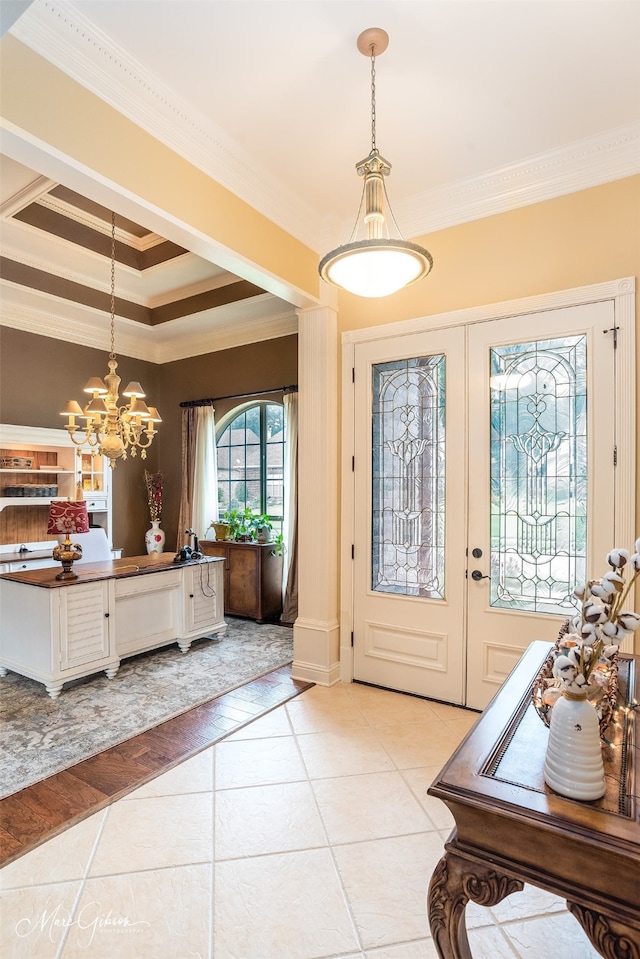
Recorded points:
(609,629)
(615,578)
(589,632)
(574,657)
(593,613)
(609,651)
(564,669)
(629,621)
(634,562)
(618,558)
(603,590)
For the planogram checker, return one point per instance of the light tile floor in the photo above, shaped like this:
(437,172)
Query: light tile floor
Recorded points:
(306,835)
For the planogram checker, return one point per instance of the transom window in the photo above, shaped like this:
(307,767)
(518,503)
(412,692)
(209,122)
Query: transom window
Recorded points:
(251,462)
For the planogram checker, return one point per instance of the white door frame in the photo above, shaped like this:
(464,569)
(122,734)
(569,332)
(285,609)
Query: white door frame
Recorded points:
(621,291)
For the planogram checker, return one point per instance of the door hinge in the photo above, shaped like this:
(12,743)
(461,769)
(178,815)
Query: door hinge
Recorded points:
(353,374)
(615,455)
(352,637)
(353,551)
(353,464)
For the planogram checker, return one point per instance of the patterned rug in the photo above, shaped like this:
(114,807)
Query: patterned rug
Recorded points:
(42,736)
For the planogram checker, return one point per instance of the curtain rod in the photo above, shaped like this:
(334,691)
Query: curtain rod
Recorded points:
(237,396)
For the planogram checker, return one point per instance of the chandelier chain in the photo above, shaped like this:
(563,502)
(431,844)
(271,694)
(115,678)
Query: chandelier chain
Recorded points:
(374,148)
(112,354)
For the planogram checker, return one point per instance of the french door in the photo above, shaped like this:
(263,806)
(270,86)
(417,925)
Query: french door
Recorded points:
(483,492)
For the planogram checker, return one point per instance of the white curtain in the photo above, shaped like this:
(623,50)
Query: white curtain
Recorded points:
(205,473)
(290,531)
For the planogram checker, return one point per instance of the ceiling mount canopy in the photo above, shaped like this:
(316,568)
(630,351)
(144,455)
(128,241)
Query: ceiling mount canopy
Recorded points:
(375,263)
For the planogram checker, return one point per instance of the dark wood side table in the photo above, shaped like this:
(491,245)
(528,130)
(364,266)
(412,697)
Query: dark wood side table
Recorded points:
(510,828)
(252,578)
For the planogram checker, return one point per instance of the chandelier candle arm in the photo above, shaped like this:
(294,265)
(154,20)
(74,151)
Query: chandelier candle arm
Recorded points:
(373,263)
(111,430)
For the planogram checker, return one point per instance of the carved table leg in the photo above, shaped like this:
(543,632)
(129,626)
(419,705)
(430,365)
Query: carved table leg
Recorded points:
(454,882)
(612,937)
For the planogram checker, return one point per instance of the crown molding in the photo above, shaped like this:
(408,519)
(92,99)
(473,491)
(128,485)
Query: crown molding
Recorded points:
(61,34)
(72,276)
(71,212)
(151,343)
(29,194)
(80,331)
(228,337)
(575,166)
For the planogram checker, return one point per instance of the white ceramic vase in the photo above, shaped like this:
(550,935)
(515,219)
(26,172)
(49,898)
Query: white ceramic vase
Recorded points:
(154,538)
(573,765)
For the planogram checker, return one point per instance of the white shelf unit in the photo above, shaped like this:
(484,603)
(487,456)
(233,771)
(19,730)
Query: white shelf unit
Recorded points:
(64,468)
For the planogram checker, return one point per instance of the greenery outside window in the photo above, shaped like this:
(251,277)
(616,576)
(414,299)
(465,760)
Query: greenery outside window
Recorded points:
(251,462)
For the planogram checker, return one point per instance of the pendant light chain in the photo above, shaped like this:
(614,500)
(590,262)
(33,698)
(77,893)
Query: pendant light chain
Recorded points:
(374,148)
(112,354)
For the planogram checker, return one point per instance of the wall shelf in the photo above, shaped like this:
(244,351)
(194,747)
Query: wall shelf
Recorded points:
(53,454)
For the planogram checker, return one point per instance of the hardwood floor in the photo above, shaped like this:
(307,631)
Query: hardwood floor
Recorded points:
(35,814)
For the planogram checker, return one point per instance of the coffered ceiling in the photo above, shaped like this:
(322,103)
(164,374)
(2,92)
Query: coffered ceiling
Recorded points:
(482,106)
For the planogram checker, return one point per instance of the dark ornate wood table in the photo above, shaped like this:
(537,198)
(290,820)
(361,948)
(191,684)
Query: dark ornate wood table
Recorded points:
(510,828)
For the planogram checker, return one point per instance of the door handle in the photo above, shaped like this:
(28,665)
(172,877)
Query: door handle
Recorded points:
(477,575)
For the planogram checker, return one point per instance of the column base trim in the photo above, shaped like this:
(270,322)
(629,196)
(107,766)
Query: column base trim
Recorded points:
(316,652)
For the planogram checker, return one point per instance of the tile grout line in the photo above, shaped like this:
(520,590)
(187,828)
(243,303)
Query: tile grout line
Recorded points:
(120,793)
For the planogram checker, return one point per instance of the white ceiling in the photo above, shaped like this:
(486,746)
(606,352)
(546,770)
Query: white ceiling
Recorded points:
(482,105)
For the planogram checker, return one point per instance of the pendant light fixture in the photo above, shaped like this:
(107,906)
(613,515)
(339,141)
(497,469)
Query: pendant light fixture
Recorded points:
(375,263)
(109,429)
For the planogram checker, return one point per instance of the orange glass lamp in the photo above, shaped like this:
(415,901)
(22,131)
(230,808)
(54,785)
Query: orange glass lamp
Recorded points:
(68,519)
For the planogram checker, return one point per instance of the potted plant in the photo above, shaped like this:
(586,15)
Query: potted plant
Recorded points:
(239,522)
(221,530)
(263,528)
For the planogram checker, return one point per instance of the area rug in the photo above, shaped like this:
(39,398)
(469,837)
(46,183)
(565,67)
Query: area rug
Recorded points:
(42,736)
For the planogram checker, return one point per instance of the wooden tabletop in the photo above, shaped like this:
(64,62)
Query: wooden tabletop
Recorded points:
(105,569)
(511,828)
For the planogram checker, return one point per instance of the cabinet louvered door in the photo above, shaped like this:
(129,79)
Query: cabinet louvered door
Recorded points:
(84,625)
(204,596)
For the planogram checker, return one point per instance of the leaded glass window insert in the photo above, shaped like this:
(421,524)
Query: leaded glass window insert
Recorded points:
(251,462)
(408,476)
(538,473)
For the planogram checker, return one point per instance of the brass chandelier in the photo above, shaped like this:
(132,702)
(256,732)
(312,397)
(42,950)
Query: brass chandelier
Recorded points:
(111,430)
(374,263)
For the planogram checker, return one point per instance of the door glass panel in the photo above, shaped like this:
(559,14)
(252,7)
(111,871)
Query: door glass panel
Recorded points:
(538,473)
(408,456)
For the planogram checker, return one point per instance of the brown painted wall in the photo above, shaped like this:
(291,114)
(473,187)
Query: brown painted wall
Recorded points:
(271,364)
(39,374)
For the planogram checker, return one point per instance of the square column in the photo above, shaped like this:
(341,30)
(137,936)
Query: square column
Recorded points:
(316,632)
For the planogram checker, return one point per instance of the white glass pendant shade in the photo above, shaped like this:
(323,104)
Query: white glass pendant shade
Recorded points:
(375,268)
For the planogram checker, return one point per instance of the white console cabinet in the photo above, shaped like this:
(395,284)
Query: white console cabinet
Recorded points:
(55,635)
(54,632)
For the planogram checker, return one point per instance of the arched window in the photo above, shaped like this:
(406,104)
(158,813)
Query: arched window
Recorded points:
(251,461)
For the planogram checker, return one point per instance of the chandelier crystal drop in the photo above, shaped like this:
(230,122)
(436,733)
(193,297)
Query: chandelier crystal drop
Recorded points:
(373,263)
(111,430)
